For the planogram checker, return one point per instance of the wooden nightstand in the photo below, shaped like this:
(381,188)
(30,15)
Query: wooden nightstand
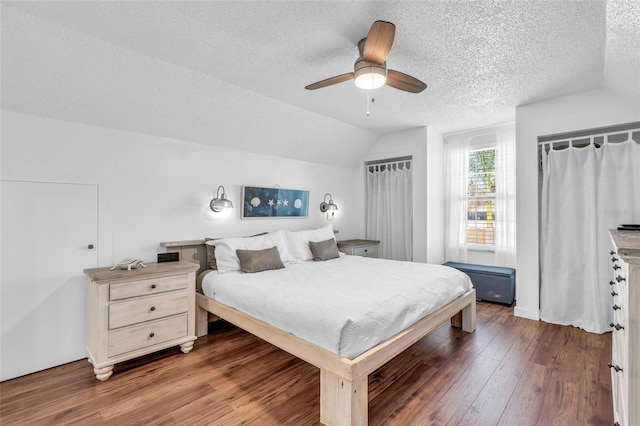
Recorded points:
(366,248)
(133,313)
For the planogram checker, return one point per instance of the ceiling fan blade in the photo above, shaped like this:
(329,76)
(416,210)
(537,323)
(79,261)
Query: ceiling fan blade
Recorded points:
(379,41)
(330,81)
(402,81)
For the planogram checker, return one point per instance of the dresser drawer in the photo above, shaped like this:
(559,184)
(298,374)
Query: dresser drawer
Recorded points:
(140,336)
(619,405)
(147,286)
(618,346)
(148,308)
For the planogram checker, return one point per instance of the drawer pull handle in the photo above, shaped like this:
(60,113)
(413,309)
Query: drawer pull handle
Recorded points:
(615,367)
(613,293)
(151,335)
(153,308)
(616,267)
(611,282)
(612,252)
(616,307)
(614,259)
(617,326)
(619,278)
(153,286)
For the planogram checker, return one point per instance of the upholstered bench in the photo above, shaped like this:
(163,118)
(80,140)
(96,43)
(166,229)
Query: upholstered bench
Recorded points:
(492,283)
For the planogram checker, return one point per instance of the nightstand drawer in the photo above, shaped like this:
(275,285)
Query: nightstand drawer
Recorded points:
(365,248)
(147,334)
(366,251)
(148,286)
(147,308)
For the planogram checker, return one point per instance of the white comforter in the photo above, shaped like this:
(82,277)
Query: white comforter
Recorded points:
(346,305)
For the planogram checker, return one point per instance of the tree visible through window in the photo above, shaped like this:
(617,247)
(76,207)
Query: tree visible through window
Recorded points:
(482,197)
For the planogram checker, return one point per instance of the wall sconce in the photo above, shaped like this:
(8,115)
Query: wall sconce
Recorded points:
(325,207)
(220,202)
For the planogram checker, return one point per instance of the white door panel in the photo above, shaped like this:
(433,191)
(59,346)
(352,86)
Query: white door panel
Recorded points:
(46,230)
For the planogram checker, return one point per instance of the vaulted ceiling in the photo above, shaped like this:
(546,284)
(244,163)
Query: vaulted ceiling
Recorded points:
(172,68)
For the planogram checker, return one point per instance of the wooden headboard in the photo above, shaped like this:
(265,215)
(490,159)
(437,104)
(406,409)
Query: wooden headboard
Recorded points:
(190,251)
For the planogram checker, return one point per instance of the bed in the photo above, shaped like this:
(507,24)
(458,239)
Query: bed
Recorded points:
(339,334)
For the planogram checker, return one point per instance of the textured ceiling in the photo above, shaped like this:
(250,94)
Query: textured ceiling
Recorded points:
(480,59)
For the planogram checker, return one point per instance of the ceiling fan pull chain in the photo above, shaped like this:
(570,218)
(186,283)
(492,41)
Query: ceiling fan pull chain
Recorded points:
(368,97)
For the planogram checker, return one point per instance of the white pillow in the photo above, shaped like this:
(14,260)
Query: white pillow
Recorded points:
(299,240)
(227,259)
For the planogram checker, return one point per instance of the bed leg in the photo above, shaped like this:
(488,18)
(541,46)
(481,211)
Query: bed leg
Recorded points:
(202,323)
(343,402)
(466,318)
(456,320)
(469,318)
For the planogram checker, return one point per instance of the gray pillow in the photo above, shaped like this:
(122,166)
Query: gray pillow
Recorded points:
(211,255)
(259,260)
(324,250)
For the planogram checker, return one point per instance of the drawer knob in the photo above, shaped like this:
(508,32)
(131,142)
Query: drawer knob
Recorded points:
(153,286)
(612,252)
(617,326)
(613,293)
(616,267)
(611,282)
(614,259)
(615,367)
(616,307)
(151,335)
(153,308)
(619,278)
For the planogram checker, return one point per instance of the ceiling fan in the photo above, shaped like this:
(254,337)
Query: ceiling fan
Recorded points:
(370,70)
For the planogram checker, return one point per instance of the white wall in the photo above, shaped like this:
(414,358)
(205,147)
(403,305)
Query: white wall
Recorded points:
(155,189)
(426,147)
(569,113)
(435,196)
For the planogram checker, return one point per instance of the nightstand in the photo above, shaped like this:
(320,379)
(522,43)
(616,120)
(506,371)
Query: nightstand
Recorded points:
(133,313)
(366,248)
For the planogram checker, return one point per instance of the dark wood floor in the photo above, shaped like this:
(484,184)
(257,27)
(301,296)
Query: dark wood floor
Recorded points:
(511,371)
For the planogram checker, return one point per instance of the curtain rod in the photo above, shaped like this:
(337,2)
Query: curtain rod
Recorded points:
(488,128)
(589,132)
(388,160)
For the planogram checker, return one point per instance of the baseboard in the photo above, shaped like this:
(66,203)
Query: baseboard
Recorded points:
(527,313)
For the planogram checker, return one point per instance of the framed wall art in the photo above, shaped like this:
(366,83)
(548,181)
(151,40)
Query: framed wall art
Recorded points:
(259,202)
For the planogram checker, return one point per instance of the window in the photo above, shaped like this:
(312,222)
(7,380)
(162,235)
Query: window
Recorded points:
(480,194)
(481,206)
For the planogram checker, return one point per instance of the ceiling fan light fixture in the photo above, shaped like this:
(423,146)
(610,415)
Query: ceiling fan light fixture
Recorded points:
(370,69)
(370,76)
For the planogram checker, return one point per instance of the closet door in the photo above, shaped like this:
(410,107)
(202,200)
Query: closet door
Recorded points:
(49,235)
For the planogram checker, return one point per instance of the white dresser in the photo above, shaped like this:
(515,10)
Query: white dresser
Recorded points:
(133,313)
(625,358)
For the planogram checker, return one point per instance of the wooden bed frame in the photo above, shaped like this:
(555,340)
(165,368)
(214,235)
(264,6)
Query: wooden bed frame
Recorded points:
(343,381)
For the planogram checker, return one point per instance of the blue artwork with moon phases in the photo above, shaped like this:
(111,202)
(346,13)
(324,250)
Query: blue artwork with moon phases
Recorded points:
(274,202)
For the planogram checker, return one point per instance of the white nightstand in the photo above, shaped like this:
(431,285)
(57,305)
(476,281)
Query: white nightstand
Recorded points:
(366,248)
(133,313)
